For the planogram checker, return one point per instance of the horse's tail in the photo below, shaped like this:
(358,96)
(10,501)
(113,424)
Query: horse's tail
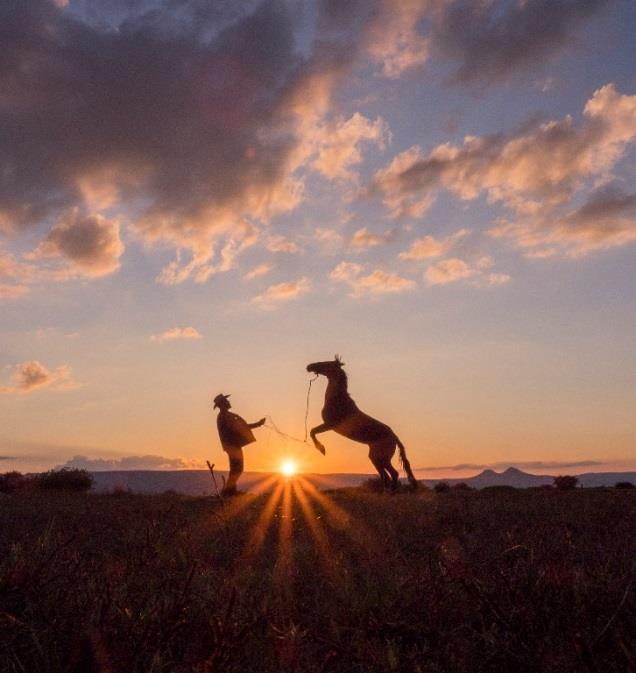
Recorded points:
(406,464)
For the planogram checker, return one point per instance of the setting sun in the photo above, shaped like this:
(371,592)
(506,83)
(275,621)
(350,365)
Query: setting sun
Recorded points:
(288,468)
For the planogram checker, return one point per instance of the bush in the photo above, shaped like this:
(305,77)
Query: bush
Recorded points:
(624,484)
(66,479)
(565,482)
(11,482)
(462,486)
(441,487)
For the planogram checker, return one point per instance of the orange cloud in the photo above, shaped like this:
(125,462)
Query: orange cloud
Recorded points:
(177,333)
(12,291)
(606,220)
(282,244)
(258,271)
(376,282)
(87,246)
(282,292)
(455,269)
(32,375)
(548,163)
(363,238)
(337,144)
(428,246)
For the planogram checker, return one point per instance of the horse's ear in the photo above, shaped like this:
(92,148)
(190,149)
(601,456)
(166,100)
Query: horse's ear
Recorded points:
(338,359)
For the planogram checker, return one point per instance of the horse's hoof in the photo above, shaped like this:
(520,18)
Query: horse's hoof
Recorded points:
(321,448)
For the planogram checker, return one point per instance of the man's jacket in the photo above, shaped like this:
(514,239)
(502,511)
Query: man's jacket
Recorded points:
(233,430)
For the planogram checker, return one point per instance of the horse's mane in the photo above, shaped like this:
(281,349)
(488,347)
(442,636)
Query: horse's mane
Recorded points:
(343,376)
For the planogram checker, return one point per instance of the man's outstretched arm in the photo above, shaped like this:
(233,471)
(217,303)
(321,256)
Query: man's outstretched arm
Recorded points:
(257,424)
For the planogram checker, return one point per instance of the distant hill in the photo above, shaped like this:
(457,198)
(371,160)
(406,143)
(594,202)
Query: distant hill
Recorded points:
(510,477)
(199,482)
(519,479)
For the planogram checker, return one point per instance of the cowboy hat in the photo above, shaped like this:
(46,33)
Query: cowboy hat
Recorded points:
(219,399)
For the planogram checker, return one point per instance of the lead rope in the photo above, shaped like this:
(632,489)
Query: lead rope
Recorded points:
(278,431)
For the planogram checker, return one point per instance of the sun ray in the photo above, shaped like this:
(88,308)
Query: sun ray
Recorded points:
(317,532)
(341,519)
(234,506)
(285,562)
(260,528)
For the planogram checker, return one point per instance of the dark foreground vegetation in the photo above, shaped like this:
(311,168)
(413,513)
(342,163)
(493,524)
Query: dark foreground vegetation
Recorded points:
(498,580)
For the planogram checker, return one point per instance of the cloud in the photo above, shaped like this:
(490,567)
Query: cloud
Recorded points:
(428,246)
(193,127)
(282,292)
(544,163)
(393,38)
(338,144)
(363,238)
(258,271)
(376,282)
(8,458)
(496,38)
(331,240)
(607,219)
(523,465)
(538,173)
(454,269)
(449,271)
(494,279)
(177,333)
(32,375)
(281,244)
(489,40)
(199,266)
(145,462)
(12,291)
(89,245)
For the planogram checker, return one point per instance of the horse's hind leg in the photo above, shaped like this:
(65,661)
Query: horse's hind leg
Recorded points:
(394,475)
(380,456)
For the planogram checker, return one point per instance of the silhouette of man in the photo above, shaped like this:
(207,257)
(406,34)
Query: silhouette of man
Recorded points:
(234,433)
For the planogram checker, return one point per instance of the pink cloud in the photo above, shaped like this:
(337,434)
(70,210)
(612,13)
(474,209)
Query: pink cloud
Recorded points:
(32,375)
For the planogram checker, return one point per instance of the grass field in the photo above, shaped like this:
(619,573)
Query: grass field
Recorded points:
(494,580)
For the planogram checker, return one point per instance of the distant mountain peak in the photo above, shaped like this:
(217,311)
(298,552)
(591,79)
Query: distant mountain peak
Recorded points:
(513,470)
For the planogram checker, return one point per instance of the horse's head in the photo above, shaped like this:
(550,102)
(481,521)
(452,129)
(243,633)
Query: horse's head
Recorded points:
(327,368)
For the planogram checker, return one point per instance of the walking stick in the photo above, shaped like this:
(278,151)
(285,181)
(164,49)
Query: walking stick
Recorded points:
(216,487)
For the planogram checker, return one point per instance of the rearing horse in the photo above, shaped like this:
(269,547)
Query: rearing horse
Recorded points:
(341,414)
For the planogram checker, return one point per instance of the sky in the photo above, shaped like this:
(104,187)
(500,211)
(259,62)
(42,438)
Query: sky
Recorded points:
(200,197)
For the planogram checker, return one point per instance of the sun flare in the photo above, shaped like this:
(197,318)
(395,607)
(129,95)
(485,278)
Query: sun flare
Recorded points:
(288,468)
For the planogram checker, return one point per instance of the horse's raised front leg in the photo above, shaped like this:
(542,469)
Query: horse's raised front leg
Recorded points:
(314,431)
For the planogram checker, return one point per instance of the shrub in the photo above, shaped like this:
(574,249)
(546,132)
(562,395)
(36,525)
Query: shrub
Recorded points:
(12,481)
(441,487)
(624,484)
(66,479)
(565,482)
(462,486)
